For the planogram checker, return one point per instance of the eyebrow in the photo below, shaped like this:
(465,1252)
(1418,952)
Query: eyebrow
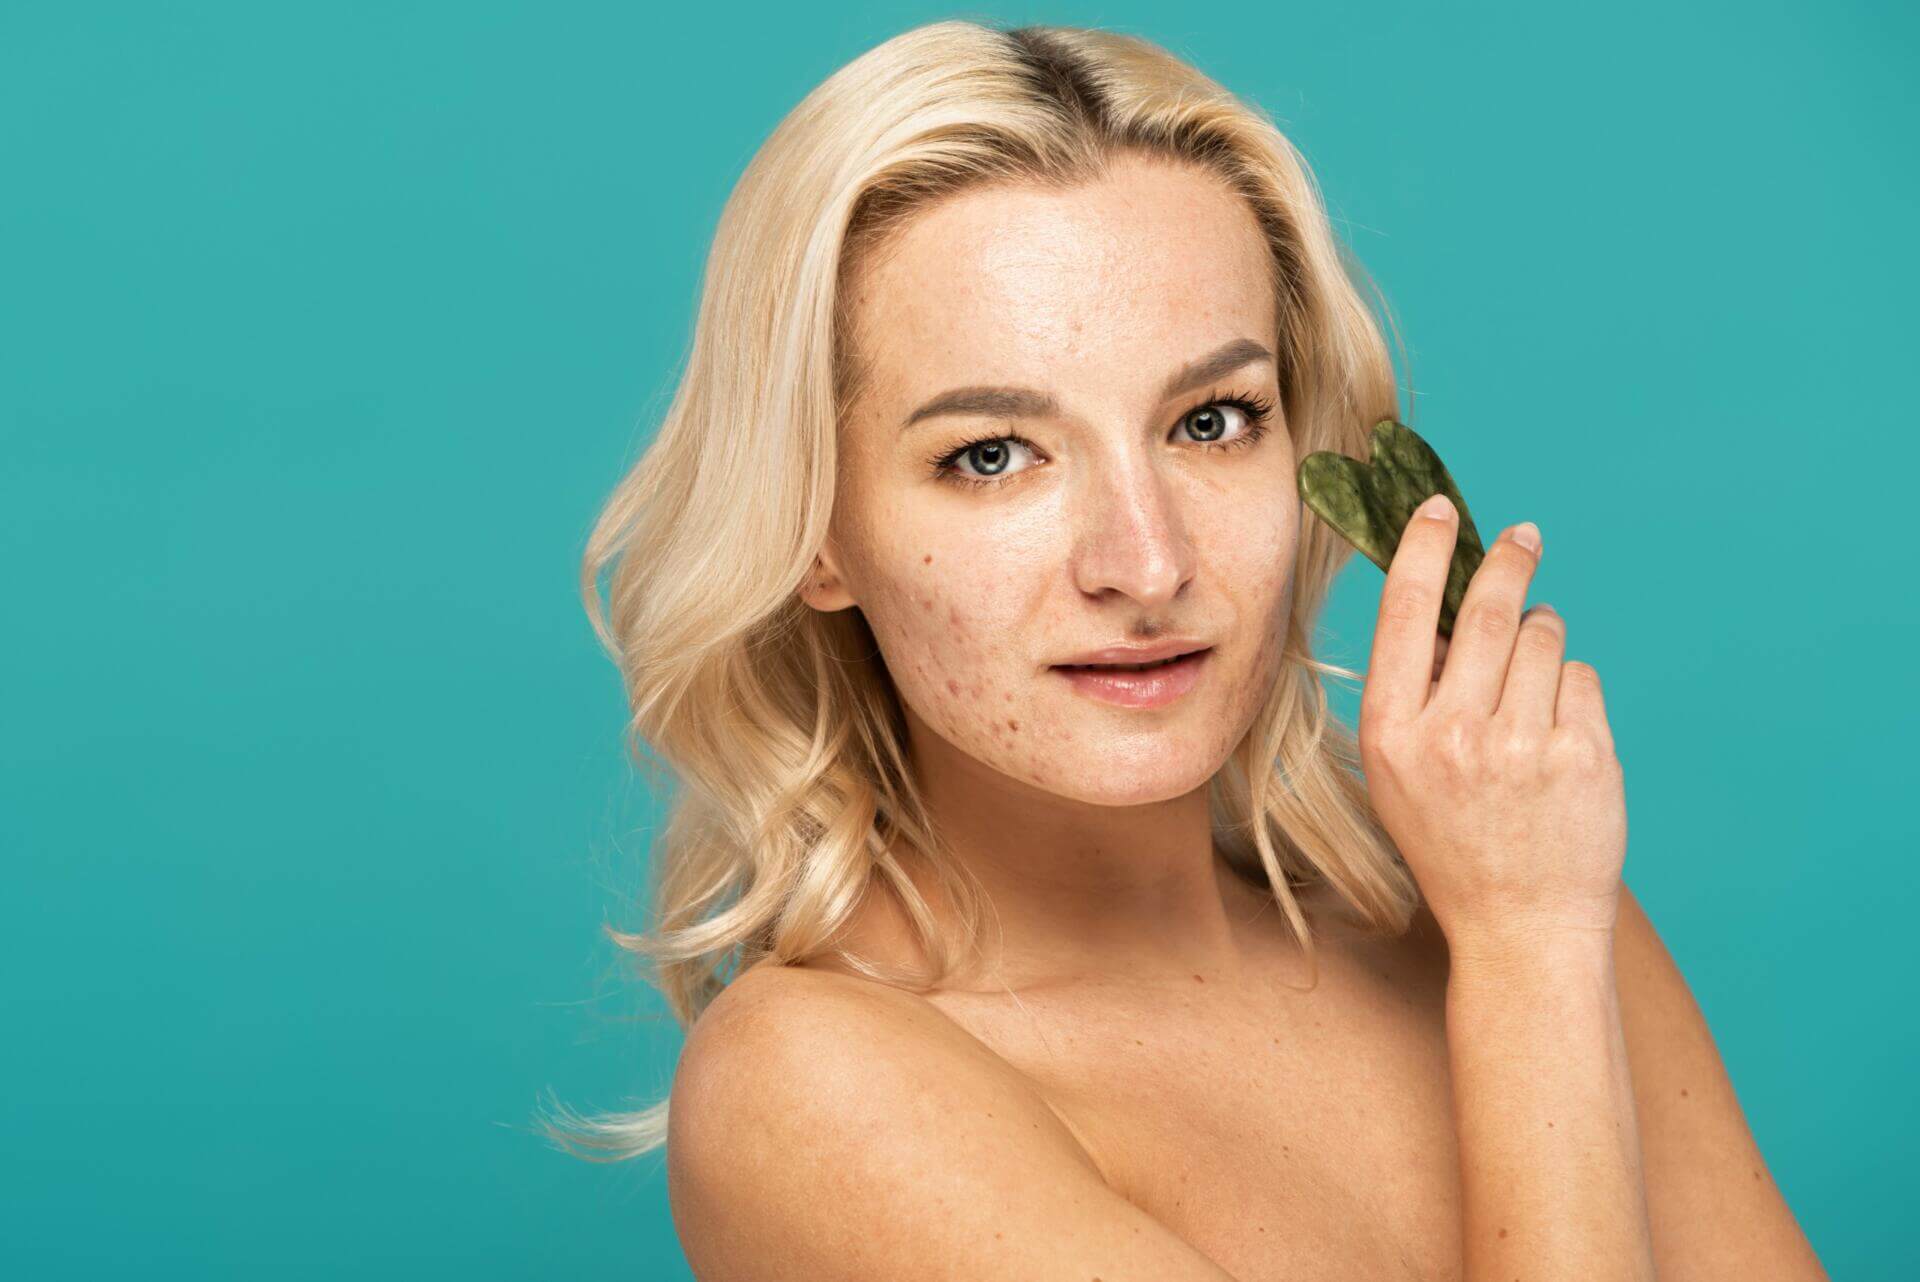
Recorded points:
(1025,402)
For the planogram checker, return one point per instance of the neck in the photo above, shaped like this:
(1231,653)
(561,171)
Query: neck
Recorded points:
(1079,892)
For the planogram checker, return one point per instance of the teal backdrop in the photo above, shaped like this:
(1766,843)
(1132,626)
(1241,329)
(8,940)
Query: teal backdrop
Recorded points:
(327,327)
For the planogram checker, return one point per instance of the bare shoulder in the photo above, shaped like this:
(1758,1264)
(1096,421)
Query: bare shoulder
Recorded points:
(824,1126)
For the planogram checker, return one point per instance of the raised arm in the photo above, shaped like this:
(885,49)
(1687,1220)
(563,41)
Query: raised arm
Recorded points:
(1498,781)
(827,1129)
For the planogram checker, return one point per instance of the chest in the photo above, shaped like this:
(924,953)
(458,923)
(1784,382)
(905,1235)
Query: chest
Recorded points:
(1285,1133)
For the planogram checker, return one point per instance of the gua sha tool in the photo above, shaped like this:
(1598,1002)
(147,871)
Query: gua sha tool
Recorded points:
(1369,504)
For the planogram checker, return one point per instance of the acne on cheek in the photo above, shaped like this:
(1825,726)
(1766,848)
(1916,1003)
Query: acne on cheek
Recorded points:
(957,631)
(962,709)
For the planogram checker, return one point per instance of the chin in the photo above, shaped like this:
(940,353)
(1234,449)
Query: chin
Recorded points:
(1101,780)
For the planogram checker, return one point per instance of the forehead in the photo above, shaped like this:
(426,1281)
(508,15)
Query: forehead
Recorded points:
(1139,271)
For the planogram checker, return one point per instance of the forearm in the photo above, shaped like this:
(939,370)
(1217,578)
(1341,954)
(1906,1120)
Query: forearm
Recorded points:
(1543,1105)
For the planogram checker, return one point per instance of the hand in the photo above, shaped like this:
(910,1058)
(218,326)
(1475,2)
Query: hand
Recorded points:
(1489,761)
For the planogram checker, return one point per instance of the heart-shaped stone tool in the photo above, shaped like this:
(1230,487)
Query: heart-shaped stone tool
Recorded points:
(1371,503)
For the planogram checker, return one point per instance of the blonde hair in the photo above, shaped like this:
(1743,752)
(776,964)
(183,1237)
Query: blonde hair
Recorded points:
(779,721)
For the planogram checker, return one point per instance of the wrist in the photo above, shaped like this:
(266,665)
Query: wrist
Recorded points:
(1518,950)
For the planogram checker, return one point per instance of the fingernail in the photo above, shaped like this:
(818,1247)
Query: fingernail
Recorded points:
(1527,535)
(1437,508)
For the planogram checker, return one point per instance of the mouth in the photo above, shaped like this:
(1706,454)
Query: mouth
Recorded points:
(1137,685)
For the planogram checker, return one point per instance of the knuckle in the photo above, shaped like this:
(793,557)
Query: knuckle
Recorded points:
(1454,741)
(1518,744)
(1376,727)
(1583,753)
(1541,637)
(1491,620)
(1384,746)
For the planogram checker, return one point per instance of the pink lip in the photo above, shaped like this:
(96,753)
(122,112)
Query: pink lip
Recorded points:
(1154,688)
(1138,653)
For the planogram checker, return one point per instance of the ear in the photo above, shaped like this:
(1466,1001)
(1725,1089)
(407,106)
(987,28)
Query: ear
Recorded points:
(825,589)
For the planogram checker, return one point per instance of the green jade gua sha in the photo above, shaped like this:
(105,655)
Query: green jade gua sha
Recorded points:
(1369,504)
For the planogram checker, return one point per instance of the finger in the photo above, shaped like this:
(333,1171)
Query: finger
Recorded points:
(1581,703)
(1489,618)
(1531,695)
(1399,667)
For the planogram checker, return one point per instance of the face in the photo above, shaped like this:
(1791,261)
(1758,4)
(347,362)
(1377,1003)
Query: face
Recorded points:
(1111,501)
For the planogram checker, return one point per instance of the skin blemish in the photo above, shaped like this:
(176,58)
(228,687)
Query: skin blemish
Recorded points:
(953,687)
(927,559)
(1503,1232)
(1683,1092)
(1013,725)
(1198,980)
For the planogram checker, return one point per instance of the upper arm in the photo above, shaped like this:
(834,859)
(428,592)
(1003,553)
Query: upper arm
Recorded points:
(823,1130)
(1715,1211)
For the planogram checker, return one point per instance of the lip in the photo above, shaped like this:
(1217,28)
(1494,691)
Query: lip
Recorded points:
(1137,653)
(1154,688)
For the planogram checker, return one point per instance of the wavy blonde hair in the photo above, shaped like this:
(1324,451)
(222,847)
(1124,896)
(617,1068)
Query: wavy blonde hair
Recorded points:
(780,722)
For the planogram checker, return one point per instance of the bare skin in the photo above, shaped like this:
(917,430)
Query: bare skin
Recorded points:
(1134,1082)
(1282,1130)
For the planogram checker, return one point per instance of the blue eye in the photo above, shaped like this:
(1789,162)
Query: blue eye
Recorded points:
(988,452)
(991,452)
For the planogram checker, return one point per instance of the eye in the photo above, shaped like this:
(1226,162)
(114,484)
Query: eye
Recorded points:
(993,454)
(1254,409)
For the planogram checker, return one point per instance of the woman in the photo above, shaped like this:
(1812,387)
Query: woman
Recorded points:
(1010,345)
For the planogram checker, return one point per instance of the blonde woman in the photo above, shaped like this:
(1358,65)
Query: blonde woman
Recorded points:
(1000,959)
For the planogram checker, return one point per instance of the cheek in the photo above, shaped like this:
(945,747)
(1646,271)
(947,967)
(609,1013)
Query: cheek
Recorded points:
(1253,554)
(959,652)
(1254,564)
(934,635)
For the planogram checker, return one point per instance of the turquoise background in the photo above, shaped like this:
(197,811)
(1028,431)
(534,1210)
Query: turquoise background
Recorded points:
(327,328)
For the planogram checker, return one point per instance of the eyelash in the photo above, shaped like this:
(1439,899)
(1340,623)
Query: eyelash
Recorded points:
(1257,409)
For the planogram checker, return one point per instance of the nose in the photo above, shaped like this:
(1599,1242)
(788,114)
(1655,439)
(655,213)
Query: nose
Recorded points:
(1131,533)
